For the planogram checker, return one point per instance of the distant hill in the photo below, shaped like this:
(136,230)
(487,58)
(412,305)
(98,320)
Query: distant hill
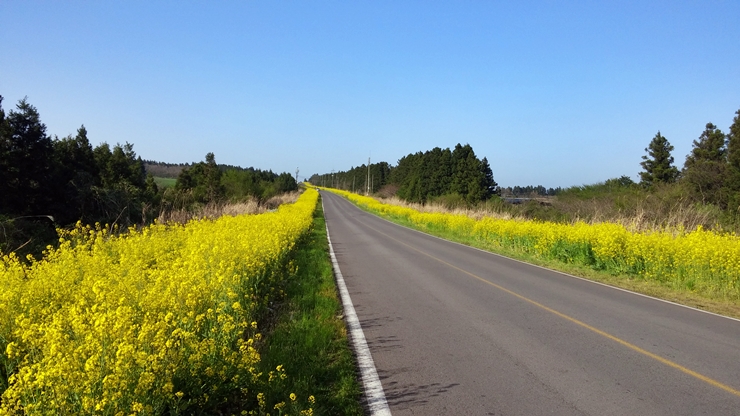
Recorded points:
(164,170)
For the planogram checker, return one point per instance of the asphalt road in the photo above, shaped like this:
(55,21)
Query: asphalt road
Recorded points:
(455,330)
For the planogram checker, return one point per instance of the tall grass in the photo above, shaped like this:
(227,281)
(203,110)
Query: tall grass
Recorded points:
(662,208)
(218,209)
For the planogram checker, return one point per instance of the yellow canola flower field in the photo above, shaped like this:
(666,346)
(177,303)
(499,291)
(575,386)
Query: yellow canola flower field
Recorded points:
(160,320)
(701,261)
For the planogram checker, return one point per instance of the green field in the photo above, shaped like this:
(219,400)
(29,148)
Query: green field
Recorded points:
(164,182)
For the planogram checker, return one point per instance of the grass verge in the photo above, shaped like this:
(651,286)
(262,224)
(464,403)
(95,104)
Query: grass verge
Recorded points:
(653,288)
(309,338)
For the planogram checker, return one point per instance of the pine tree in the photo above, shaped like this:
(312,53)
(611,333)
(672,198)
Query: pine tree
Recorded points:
(710,146)
(658,163)
(4,158)
(489,185)
(705,169)
(26,153)
(733,143)
(75,175)
(733,158)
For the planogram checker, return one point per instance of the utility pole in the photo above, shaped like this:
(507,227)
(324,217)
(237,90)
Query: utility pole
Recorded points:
(296,176)
(353,183)
(332,178)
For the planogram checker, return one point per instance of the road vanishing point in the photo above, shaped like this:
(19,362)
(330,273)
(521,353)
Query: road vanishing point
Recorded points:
(456,330)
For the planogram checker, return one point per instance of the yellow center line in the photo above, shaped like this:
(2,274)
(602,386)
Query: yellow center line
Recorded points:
(607,335)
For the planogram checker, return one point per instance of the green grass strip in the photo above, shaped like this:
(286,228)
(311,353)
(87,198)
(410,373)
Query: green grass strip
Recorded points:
(309,338)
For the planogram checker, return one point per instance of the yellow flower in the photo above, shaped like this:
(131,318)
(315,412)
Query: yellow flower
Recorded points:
(162,301)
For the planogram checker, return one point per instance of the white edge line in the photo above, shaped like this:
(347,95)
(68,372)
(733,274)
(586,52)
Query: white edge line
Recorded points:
(545,268)
(373,389)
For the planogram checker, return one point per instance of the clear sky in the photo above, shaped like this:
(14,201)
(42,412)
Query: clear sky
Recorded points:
(554,93)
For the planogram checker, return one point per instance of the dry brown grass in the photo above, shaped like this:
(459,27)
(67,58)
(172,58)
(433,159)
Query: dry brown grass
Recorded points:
(215,210)
(646,212)
(476,212)
(639,213)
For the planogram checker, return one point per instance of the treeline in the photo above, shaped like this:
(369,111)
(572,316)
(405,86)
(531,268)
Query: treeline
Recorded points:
(444,172)
(67,178)
(357,179)
(47,182)
(711,173)
(705,192)
(236,182)
(456,175)
(523,191)
(204,182)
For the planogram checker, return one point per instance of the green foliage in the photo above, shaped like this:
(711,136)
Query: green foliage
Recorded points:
(203,180)
(658,163)
(705,170)
(357,179)
(529,190)
(621,185)
(70,180)
(25,156)
(733,171)
(423,176)
(206,182)
(121,195)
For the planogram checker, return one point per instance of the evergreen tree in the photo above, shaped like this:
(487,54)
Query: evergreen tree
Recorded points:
(212,178)
(658,163)
(76,173)
(489,185)
(460,170)
(733,143)
(203,179)
(26,160)
(121,195)
(733,158)
(5,174)
(705,169)
(709,147)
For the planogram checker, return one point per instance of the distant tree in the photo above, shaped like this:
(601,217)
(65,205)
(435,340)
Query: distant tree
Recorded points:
(623,181)
(285,182)
(710,146)
(212,176)
(733,143)
(203,179)
(705,169)
(239,184)
(489,185)
(658,163)
(733,158)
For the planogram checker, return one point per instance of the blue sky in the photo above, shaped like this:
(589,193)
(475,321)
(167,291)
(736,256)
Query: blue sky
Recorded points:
(553,93)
